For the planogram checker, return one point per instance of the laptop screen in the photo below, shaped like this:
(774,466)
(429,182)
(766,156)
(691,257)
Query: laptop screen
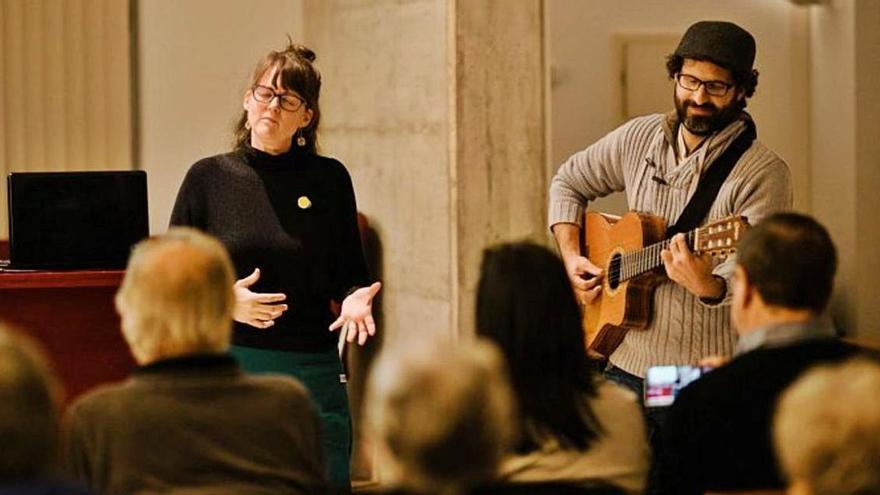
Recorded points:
(75,220)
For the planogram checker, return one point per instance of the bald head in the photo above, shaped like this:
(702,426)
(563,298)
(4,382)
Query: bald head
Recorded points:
(176,298)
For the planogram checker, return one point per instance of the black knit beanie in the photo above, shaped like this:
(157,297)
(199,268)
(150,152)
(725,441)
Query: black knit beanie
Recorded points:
(720,42)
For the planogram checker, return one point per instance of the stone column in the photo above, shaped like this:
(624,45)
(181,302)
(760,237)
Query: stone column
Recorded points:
(497,136)
(437,109)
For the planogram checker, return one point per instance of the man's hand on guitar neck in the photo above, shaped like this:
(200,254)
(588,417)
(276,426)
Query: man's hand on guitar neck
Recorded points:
(585,277)
(694,273)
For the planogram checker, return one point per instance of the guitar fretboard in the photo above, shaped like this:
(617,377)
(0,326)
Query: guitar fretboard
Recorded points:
(635,263)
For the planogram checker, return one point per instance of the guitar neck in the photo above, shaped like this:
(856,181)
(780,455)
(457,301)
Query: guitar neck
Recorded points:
(717,239)
(635,263)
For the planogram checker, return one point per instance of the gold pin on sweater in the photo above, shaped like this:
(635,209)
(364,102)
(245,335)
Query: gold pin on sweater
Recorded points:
(304,202)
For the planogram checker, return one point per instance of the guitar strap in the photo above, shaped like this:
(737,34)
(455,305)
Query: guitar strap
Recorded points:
(707,190)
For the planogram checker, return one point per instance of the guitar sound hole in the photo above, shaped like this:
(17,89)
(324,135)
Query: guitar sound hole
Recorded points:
(614,271)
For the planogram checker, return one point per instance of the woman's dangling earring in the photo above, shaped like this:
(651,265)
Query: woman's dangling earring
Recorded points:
(300,139)
(247,125)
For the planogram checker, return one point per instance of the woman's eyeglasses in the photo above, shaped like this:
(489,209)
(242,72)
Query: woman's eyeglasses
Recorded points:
(288,101)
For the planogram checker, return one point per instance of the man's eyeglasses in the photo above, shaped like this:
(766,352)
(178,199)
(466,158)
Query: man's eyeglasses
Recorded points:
(691,83)
(288,101)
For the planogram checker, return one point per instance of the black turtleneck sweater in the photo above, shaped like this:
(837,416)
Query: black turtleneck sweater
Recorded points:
(294,217)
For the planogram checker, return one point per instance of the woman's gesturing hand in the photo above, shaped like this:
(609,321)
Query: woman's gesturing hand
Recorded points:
(255,309)
(356,316)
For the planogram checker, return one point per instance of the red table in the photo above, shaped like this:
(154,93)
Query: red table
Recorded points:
(72,315)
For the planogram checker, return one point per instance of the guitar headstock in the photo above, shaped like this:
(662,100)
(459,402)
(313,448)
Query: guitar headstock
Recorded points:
(719,238)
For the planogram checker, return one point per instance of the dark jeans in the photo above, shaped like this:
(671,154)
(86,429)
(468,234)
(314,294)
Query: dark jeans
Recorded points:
(654,417)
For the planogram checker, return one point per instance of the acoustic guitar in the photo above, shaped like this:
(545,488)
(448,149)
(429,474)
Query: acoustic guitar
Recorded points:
(628,249)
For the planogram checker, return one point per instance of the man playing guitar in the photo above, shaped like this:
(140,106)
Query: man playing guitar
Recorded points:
(658,160)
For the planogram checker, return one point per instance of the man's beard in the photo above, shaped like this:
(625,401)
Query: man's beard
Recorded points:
(703,125)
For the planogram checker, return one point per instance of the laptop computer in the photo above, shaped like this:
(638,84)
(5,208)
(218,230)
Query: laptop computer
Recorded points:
(75,220)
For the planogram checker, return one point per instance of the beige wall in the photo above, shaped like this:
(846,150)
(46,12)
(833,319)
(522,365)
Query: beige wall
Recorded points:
(846,152)
(193,60)
(833,140)
(65,96)
(867,77)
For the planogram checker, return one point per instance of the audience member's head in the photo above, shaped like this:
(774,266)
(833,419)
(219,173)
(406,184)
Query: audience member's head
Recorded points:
(176,298)
(440,413)
(28,410)
(827,430)
(785,268)
(525,304)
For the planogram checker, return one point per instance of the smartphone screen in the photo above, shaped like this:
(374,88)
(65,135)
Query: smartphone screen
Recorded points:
(662,383)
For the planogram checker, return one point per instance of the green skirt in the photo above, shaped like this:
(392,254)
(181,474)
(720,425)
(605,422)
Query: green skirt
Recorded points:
(324,377)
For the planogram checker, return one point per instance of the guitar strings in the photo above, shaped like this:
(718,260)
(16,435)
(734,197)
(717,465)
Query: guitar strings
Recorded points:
(641,261)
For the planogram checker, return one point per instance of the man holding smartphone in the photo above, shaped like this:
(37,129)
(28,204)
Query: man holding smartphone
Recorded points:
(717,435)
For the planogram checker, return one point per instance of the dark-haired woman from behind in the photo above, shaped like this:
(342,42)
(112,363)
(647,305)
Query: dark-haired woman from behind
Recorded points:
(575,428)
(287,215)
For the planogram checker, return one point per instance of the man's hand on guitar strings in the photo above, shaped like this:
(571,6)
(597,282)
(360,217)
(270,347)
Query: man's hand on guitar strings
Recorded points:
(585,277)
(694,273)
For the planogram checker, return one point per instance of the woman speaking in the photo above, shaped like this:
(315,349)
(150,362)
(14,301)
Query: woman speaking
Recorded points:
(288,218)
